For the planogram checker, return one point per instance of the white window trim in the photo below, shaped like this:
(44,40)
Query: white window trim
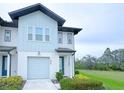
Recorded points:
(32,33)
(45,34)
(35,33)
(5,35)
(34,36)
(71,37)
(33,28)
(62,38)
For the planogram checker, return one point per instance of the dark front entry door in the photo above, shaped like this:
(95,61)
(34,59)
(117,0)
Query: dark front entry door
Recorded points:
(61,64)
(4,66)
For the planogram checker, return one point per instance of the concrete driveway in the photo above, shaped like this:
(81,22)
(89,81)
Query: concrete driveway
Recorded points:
(41,84)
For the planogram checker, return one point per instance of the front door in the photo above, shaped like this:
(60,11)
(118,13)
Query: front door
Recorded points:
(4,66)
(61,64)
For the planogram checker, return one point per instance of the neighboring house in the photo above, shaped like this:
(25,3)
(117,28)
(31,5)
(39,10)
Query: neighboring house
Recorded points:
(36,44)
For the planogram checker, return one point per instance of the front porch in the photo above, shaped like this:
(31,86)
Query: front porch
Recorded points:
(8,61)
(66,61)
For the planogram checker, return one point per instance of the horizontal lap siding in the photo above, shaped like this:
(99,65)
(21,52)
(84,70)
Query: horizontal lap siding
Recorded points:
(37,19)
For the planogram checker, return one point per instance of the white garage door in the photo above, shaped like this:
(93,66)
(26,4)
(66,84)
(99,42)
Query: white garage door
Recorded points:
(38,68)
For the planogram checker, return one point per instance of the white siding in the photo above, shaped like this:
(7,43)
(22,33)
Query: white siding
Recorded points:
(37,19)
(71,60)
(65,42)
(26,48)
(13,36)
(68,64)
(14,65)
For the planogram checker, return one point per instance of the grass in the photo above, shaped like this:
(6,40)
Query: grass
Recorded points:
(112,80)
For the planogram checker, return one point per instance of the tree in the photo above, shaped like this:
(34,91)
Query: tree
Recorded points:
(113,60)
(107,57)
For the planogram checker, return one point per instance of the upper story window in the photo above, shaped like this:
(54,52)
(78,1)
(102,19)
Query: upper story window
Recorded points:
(60,37)
(69,38)
(7,36)
(30,33)
(38,34)
(47,36)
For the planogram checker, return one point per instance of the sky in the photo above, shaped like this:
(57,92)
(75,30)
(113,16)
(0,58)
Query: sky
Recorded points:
(103,24)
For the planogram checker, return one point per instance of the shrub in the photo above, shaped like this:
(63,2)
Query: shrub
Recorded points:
(102,66)
(79,65)
(11,83)
(80,84)
(115,66)
(80,76)
(59,76)
(77,72)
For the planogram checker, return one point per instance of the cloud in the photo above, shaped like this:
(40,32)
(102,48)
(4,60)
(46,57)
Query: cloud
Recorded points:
(105,26)
(102,24)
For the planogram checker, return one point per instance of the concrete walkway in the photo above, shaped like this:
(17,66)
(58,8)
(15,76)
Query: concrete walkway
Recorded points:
(42,84)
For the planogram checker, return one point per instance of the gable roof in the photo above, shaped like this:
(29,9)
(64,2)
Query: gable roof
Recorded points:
(1,20)
(24,11)
(16,14)
(8,24)
(14,23)
(69,29)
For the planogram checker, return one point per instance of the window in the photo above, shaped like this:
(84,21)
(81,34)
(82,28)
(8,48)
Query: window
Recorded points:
(69,38)
(60,37)
(7,36)
(47,37)
(30,33)
(39,34)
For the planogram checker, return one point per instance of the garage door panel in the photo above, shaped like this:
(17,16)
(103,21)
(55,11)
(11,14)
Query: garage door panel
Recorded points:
(38,68)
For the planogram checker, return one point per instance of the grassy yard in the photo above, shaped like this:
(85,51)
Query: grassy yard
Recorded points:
(111,79)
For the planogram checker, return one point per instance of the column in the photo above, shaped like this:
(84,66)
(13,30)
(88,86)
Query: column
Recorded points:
(70,57)
(8,64)
(71,66)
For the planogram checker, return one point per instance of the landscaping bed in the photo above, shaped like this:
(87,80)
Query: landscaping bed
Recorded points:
(11,83)
(79,82)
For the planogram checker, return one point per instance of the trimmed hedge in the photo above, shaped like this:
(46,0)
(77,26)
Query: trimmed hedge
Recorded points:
(59,76)
(80,84)
(11,83)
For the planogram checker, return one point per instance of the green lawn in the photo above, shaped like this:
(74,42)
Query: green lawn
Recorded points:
(111,79)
